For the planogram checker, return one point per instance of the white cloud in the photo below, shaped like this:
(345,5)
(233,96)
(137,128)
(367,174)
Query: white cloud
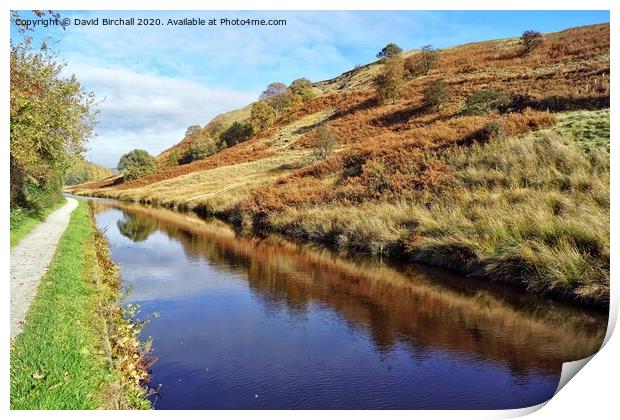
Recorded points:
(159,80)
(156,81)
(149,111)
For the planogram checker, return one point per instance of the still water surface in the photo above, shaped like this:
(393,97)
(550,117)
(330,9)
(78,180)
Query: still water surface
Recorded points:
(250,324)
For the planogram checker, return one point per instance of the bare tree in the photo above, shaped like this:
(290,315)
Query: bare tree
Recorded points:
(530,40)
(423,62)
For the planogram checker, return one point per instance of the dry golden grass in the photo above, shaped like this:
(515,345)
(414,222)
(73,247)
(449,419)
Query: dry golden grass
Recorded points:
(531,211)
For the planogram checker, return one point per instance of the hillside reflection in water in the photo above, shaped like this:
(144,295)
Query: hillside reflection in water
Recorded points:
(263,323)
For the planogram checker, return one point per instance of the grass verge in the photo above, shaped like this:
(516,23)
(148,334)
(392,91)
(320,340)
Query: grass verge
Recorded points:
(24,220)
(65,358)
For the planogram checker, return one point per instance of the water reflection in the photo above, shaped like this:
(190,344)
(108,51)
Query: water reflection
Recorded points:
(136,228)
(418,313)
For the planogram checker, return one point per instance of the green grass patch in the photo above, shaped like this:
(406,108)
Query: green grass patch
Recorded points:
(58,361)
(23,220)
(588,129)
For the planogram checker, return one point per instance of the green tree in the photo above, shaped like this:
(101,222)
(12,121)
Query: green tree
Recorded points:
(390,82)
(201,149)
(303,88)
(174,158)
(51,119)
(215,128)
(83,171)
(283,102)
(390,50)
(136,164)
(236,133)
(262,115)
(295,103)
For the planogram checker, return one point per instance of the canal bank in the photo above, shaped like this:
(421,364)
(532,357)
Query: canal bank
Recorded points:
(253,323)
(452,258)
(77,350)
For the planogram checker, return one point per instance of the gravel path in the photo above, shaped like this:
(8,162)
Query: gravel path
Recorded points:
(29,261)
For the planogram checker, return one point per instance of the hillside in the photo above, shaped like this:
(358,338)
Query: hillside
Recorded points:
(84,171)
(517,195)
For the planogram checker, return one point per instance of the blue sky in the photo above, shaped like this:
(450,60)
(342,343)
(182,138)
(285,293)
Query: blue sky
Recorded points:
(156,81)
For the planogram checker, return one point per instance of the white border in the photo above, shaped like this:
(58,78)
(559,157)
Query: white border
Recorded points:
(593,394)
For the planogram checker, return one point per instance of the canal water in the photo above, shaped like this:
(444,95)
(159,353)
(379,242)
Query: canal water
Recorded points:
(247,323)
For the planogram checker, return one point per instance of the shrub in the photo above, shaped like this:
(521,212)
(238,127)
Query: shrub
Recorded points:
(236,133)
(390,50)
(484,101)
(530,40)
(323,142)
(423,62)
(283,102)
(436,94)
(390,81)
(201,149)
(262,115)
(174,158)
(136,164)
(376,176)
(491,131)
(303,88)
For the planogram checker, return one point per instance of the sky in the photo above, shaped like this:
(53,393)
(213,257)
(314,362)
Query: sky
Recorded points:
(152,82)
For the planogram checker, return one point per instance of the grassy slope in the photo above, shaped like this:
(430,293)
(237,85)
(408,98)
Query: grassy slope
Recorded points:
(57,362)
(531,210)
(409,181)
(22,222)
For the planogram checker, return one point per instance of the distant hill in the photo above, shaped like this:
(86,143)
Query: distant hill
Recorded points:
(86,171)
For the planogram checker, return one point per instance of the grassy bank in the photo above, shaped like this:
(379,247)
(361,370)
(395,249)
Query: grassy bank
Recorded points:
(23,220)
(532,211)
(67,356)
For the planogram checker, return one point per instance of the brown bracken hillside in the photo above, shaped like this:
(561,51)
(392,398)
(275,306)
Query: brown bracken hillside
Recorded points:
(518,195)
